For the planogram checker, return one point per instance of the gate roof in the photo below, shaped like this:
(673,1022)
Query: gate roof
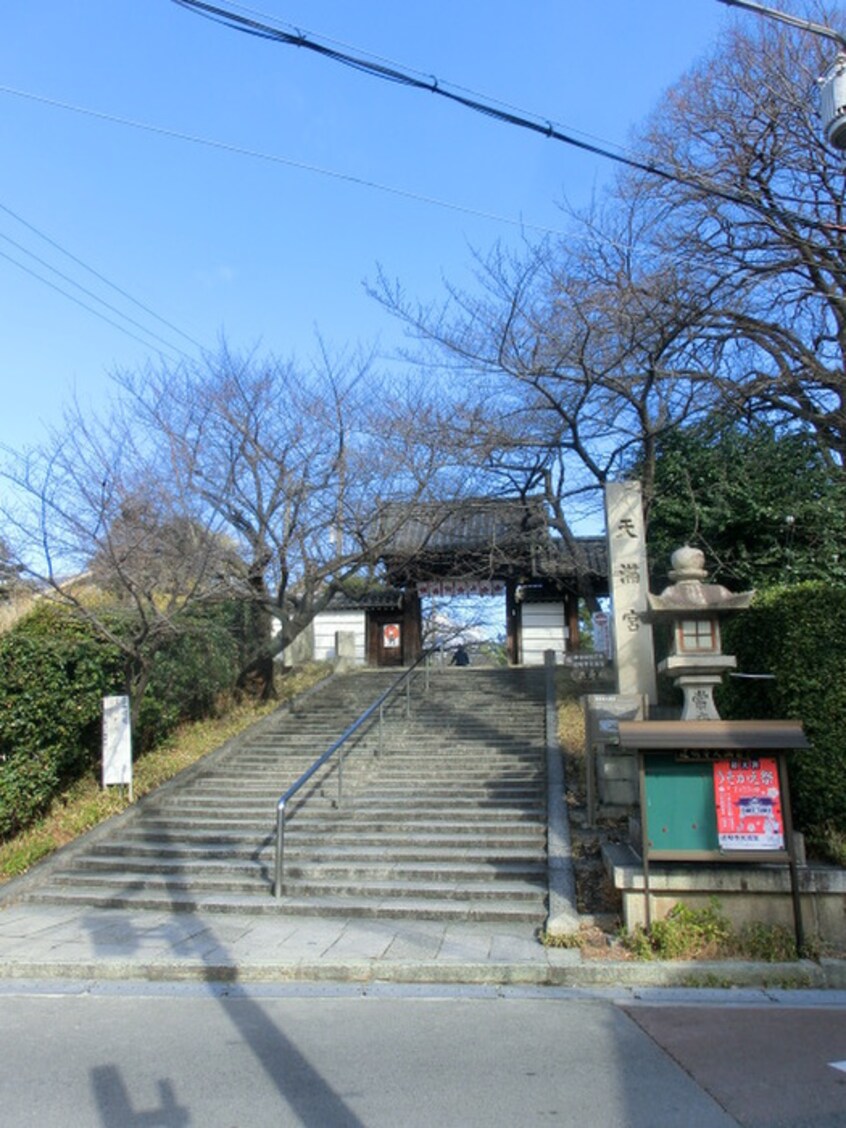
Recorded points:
(486,538)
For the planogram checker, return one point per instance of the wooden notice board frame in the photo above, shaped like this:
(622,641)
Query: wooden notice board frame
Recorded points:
(676,782)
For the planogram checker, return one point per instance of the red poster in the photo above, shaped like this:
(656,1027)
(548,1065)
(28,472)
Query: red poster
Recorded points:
(748,802)
(391,636)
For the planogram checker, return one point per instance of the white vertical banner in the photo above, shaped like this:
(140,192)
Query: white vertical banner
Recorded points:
(117,743)
(634,655)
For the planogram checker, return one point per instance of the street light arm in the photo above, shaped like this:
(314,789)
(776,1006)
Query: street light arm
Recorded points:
(794,21)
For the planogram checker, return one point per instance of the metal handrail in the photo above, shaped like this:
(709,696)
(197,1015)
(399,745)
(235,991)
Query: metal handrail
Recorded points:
(377,706)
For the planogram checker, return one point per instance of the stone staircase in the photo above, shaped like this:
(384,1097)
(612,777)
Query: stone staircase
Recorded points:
(447,822)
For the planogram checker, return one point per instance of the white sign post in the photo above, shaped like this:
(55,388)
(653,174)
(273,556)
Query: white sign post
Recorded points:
(633,650)
(117,743)
(601,624)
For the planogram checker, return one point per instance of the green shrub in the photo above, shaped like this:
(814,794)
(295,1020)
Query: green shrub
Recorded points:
(798,634)
(767,943)
(53,675)
(190,674)
(684,934)
(692,934)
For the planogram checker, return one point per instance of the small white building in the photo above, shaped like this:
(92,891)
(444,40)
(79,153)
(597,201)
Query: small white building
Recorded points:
(373,629)
(543,627)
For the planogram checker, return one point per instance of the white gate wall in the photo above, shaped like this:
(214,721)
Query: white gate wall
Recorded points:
(326,626)
(543,628)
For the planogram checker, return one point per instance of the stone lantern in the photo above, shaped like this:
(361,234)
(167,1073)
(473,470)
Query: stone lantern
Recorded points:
(696,662)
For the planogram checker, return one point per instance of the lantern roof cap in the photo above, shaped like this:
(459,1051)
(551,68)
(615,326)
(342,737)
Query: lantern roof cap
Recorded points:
(689,594)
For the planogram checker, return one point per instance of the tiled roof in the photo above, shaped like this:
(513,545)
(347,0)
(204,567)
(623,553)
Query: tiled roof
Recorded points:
(582,556)
(472,524)
(495,536)
(379,599)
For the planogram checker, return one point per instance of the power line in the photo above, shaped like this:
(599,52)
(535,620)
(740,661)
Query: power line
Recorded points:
(73,298)
(431,84)
(273,158)
(88,293)
(100,277)
(428,77)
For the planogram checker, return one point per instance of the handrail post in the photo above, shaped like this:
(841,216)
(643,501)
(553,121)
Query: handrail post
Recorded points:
(381,728)
(408,696)
(278,884)
(340,776)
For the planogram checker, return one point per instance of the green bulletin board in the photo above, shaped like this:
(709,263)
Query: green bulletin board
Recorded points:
(677,761)
(680,810)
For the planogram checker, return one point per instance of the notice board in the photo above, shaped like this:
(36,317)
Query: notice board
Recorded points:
(716,791)
(748,803)
(117,742)
(712,808)
(681,815)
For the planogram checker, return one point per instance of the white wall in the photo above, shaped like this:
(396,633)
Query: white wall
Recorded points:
(544,628)
(327,623)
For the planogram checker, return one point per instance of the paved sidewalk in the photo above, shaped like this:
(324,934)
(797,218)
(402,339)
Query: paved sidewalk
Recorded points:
(51,942)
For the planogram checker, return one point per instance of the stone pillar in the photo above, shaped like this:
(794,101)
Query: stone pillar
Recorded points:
(634,656)
(344,649)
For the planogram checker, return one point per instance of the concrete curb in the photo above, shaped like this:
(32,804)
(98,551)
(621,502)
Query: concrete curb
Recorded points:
(563,914)
(829,975)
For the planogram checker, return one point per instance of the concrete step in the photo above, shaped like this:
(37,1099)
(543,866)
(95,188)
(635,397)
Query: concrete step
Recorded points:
(457,909)
(121,853)
(388,788)
(259,882)
(360,870)
(344,820)
(526,836)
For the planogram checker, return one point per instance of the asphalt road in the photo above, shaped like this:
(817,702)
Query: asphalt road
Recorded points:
(126,1055)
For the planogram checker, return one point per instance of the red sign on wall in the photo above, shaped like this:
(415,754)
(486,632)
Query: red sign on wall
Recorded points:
(748,802)
(391,636)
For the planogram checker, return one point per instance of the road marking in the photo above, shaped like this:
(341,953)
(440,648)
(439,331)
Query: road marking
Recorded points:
(841,1065)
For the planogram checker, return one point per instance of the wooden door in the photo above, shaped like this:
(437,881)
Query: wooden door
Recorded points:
(387,639)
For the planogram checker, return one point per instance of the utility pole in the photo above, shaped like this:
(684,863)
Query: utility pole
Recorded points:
(832,83)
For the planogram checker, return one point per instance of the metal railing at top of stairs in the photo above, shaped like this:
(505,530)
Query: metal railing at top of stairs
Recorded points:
(369,714)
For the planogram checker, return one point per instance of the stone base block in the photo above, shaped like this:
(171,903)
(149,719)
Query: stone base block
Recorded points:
(747,893)
(616,777)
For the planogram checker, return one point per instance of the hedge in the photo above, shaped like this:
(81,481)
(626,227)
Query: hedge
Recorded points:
(54,672)
(798,634)
(53,676)
(190,673)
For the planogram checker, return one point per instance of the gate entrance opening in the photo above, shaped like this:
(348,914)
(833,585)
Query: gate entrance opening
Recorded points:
(481,548)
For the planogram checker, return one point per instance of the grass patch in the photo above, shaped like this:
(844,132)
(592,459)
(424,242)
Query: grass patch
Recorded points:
(571,726)
(571,738)
(85,804)
(684,934)
(706,934)
(568,940)
(590,940)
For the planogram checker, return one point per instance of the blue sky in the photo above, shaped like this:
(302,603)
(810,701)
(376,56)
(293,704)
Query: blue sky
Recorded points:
(215,241)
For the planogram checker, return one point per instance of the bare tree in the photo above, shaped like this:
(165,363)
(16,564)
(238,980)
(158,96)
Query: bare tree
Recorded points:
(238,478)
(10,574)
(95,527)
(723,289)
(291,465)
(761,222)
(575,358)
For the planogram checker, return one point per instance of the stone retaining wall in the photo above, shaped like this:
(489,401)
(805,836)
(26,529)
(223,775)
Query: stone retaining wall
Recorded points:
(747,893)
